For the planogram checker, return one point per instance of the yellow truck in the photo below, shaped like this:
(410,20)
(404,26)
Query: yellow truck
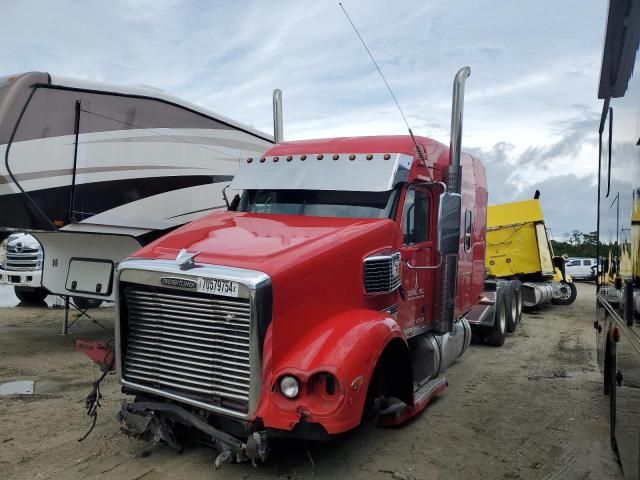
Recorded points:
(518,248)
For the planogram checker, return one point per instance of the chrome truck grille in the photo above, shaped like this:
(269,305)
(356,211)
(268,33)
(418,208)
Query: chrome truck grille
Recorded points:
(195,345)
(23,259)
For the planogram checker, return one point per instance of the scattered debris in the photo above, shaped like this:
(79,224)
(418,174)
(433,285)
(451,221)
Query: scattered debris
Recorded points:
(397,475)
(551,375)
(313,464)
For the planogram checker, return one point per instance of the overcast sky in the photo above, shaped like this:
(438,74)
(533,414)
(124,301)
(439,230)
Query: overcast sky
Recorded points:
(531,112)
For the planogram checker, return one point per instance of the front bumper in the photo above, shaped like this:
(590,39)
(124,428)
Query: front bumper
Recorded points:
(21,278)
(160,421)
(148,419)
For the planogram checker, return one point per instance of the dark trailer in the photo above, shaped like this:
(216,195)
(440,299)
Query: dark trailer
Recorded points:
(618,292)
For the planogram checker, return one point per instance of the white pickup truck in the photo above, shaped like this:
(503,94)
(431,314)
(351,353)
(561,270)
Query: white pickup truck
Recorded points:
(21,257)
(21,267)
(581,268)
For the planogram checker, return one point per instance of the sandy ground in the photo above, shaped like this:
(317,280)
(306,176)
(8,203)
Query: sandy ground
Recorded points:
(531,409)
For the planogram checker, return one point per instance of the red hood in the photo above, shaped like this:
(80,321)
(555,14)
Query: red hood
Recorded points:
(268,243)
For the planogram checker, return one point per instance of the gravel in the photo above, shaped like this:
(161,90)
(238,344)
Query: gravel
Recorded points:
(531,409)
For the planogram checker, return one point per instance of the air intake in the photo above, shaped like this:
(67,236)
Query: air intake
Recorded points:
(382,273)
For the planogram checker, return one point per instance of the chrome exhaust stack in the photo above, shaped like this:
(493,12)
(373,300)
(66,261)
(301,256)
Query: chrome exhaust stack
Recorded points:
(450,262)
(278,133)
(455,142)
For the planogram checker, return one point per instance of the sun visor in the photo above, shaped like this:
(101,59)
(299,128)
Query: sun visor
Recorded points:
(377,172)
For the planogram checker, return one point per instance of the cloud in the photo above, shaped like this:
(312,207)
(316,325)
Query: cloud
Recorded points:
(533,79)
(568,191)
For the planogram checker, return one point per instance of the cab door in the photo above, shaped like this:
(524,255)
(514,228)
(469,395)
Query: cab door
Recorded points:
(416,295)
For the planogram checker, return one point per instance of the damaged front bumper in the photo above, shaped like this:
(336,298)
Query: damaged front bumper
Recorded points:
(155,422)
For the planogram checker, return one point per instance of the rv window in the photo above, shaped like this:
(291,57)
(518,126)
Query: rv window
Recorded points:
(586,262)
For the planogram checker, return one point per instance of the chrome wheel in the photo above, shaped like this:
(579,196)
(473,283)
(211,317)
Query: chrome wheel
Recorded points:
(565,292)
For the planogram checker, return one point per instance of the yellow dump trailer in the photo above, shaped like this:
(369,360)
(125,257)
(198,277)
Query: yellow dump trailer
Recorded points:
(518,248)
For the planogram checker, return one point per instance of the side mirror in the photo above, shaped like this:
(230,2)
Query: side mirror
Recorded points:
(449,223)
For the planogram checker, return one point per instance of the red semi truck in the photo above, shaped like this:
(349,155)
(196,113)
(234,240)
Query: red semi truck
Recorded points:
(341,287)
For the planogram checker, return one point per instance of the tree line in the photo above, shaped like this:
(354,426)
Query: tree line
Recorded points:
(578,244)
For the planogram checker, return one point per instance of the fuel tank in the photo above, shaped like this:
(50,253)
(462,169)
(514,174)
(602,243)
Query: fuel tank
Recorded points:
(432,354)
(536,293)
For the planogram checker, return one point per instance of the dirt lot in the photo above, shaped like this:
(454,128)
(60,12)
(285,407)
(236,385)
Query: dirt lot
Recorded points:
(531,409)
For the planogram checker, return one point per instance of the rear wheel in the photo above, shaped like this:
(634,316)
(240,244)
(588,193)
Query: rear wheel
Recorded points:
(31,295)
(514,305)
(498,332)
(519,300)
(567,294)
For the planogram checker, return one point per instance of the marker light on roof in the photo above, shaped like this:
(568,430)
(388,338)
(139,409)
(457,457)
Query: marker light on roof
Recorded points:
(320,157)
(289,158)
(369,157)
(262,160)
(303,157)
(249,160)
(336,157)
(275,159)
(352,157)
(387,156)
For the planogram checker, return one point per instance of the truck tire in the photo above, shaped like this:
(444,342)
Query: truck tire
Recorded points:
(31,295)
(568,294)
(514,305)
(498,332)
(86,303)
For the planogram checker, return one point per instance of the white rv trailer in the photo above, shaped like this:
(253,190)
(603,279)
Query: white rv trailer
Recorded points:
(95,171)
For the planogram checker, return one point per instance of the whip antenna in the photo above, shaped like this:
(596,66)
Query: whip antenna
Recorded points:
(418,149)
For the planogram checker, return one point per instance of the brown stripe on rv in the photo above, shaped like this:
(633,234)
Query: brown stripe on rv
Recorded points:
(69,171)
(191,139)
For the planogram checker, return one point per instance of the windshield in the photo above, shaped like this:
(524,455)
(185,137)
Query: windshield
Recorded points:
(323,203)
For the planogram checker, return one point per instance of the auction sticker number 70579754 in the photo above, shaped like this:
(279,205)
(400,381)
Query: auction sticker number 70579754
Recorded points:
(216,286)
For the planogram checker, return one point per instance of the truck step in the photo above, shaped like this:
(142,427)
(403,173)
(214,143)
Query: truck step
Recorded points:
(399,412)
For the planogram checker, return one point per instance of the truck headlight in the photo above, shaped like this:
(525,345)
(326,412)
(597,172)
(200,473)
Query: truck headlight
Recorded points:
(289,386)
